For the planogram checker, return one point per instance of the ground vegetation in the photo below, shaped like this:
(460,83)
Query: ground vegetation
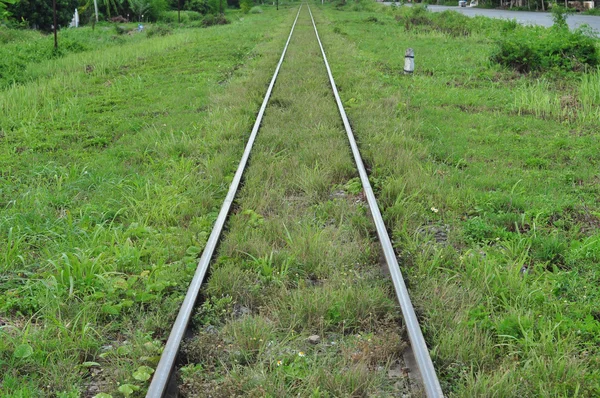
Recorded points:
(116,155)
(488,180)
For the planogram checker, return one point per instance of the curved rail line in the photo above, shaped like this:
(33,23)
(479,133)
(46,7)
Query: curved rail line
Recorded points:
(163,371)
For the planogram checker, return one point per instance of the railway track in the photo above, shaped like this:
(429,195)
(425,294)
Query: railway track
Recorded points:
(163,373)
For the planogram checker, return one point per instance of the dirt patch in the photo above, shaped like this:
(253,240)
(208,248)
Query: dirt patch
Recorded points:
(439,233)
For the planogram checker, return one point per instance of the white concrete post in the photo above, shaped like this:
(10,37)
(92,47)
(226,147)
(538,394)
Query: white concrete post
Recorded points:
(96,9)
(409,61)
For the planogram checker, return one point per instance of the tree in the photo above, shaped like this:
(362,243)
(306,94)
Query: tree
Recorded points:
(3,8)
(38,13)
(139,7)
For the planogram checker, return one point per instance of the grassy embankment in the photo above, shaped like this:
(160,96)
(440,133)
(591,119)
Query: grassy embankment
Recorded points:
(299,259)
(27,55)
(112,168)
(492,199)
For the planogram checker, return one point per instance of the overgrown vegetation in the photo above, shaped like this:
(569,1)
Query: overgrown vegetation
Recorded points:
(115,156)
(541,50)
(494,211)
(108,187)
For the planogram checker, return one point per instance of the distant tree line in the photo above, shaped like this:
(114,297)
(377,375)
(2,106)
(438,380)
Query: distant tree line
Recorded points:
(37,14)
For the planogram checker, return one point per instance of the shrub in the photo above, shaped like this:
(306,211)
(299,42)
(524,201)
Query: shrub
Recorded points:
(121,30)
(559,16)
(246,5)
(452,24)
(211,20)
(538,50)
(447,22)
(592,11)
(204,7)
(159,30)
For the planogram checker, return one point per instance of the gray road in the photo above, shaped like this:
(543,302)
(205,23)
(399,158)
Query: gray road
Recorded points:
(523,17)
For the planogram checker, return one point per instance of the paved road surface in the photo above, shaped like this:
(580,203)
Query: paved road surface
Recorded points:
(523,17)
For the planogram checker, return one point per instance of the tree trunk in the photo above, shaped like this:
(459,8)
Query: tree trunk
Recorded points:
(54,25)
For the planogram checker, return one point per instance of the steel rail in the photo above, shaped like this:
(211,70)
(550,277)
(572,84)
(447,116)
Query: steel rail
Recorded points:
(430,379)
(165,365)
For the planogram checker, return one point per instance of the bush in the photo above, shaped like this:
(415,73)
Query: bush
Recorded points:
(211,20)
(246,5)
(121,30)
(204,7)
(157,8)
(356,5)
(559,16)
(159,30)
(447,22)
(539,50)
(592,11)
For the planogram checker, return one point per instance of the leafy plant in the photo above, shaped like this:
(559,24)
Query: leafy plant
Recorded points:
(143,373)
(140,7)
(246,5)
(23,351)
(38,13)
(559,16)
(3,8)
(538,50)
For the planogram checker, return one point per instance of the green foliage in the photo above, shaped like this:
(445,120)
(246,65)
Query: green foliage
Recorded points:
(38,13)
(157,7)
(23,351)
(448,22)
(559,16)
(214,19)
(592,11)
(172,17)
(159,30)
(116,174)
(204,7)
(140,7)
(3,8)
(246,5)
(539,50)
(143,373)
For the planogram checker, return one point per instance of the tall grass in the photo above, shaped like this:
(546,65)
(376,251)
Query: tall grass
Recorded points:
(589,93)
(536,98)
(542,99)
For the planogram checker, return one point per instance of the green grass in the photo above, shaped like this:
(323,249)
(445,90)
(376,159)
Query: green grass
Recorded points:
(26,55)
(494,213)
(111,176)
(114,162)
(299,259)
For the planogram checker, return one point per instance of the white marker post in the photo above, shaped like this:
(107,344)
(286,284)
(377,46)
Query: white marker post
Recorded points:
(409,61)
